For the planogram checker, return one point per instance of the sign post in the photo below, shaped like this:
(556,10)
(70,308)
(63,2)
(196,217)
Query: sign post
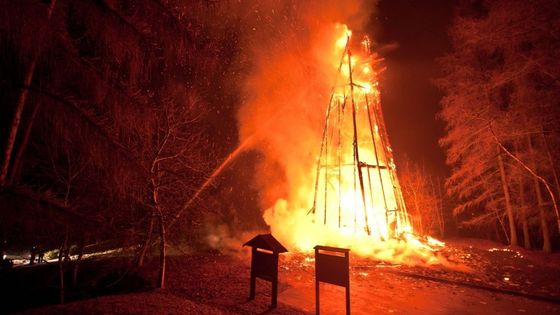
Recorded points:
(332,266)
(264,263)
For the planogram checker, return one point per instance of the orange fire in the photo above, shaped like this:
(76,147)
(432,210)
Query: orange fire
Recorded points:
(356,190)
(346,195)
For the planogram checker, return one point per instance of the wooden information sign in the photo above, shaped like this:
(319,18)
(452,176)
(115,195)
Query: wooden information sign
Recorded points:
(332,266)
(264,263)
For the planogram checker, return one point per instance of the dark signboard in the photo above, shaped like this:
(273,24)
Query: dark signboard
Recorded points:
(332,266)
(264,263)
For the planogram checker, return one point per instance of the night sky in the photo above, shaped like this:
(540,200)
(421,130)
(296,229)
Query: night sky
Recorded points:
(410,101)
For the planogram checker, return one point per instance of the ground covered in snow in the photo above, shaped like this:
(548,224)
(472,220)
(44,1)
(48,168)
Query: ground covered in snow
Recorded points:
(500,281)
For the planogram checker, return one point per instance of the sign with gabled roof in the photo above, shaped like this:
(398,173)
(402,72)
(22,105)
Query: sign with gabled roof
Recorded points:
(264,263)
(267,242)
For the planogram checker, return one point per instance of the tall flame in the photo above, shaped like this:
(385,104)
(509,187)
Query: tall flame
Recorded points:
(301,70)
(356,188)
(318,196)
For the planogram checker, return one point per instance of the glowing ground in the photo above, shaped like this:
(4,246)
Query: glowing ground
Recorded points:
(221,282)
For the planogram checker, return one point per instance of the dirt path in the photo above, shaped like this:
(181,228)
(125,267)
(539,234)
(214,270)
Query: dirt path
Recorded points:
(374,290)
(384,292)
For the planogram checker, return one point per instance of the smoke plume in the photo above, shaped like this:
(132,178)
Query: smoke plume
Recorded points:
(288,88)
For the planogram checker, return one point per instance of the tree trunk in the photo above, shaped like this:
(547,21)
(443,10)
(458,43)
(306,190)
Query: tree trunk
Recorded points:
(552,165)
(523,212)
(146,244)
(61,251)
(21,149)
(22,97)
(154,180)
(77,263)
(436,204)
(522,203)
(440,209)
(33,255)
(509,209)
(436,188)
(540,202)
(542,218)
(506,236)
(162,253)
(67,254)
(418,213)
(534,174)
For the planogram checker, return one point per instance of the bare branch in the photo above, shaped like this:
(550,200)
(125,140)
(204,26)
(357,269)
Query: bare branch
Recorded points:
(528,169)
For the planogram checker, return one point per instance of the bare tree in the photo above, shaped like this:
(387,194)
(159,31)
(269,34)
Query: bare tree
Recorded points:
(175,155)
(22,97)
(501,83)
(424,202)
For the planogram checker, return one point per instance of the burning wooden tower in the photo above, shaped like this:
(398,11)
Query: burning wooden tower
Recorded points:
(356,185)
